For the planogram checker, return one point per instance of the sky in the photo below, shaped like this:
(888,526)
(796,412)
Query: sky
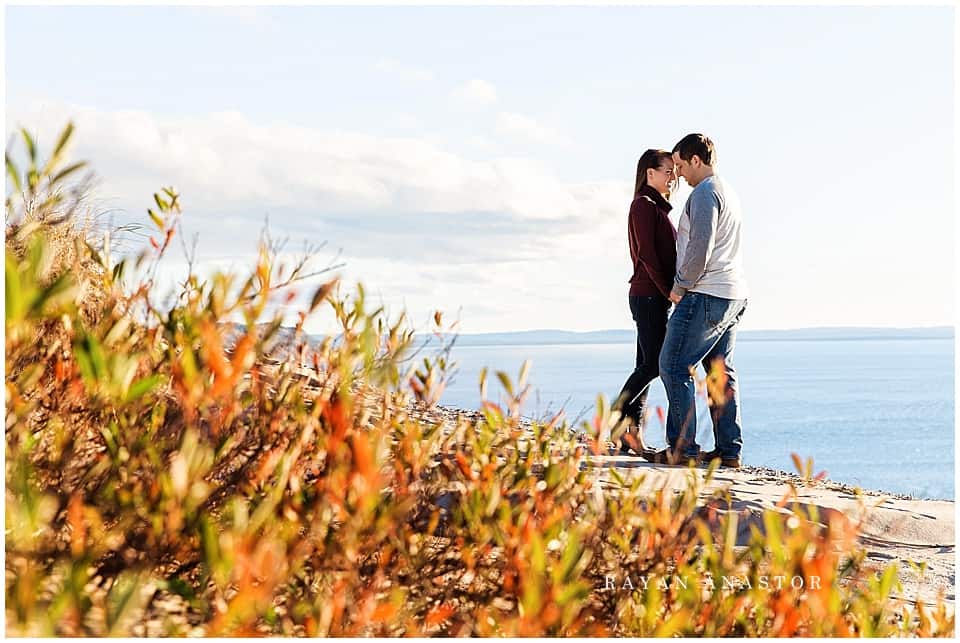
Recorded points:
(480,160)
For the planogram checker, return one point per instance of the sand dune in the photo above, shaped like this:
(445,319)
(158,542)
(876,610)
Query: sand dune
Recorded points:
(891,527)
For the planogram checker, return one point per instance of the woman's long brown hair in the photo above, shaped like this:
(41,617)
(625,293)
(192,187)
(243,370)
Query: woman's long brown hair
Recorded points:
(650,159)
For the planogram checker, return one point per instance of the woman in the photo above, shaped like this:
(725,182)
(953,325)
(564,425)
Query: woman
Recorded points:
(653,249)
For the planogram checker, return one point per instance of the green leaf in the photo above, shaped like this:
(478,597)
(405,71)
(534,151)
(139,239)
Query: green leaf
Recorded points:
(603,409)
(63,140)
(109,439)
(574,592)
(123,369)
(189,364)
(120,599)
(887,580)
(118,270)
(524,372)
(210,543)
(774,533)
(538,556)
(119,329)
(553,475)
(571,557)
(95,254)
(494,501)
(163,205)
(31,146)
(505,382)
(56,293)
(155,218)
(618,477)
(85,364)
(672,625)
(57,155)
(37,254)
(13,173)
(67,171)
(730,538)
(180,587)
(12,290)
(142,387)
(90,359)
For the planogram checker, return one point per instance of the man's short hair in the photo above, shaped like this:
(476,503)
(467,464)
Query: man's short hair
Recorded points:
(696,144)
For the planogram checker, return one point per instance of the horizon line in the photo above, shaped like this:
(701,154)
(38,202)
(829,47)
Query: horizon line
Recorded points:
(744,330)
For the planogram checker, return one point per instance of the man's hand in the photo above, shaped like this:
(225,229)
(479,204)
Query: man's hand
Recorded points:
(675,298)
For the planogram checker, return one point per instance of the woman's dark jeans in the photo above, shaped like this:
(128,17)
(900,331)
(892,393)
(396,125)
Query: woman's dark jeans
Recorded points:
(650,316)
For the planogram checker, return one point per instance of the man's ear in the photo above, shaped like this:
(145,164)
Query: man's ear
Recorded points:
(695,161)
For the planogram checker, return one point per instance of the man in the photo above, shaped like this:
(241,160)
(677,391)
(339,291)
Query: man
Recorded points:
(710,293)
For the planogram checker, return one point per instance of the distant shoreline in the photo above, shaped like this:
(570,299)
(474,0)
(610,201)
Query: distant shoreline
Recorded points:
(560,337)
(548,337)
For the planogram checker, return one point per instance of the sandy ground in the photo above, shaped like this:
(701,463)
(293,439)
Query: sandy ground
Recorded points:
(893,528)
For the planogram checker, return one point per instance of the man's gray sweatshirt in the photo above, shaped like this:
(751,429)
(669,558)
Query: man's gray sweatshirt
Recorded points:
(709,256)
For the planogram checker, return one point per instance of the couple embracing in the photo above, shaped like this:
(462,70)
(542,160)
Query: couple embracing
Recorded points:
(697,268)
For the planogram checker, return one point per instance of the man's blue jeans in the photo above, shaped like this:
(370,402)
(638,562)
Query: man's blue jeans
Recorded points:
(701,329)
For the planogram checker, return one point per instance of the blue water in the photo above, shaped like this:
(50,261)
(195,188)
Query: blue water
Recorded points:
(874,413)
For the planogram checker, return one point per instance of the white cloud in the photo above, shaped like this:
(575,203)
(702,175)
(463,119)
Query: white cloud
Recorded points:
(476,92)
(479,143)
(224,160)
(525,128)
(406,72)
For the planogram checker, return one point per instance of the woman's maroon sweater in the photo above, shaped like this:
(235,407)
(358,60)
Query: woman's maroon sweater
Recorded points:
(653,244)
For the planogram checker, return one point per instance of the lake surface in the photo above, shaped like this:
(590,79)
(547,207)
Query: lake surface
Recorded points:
(874,413)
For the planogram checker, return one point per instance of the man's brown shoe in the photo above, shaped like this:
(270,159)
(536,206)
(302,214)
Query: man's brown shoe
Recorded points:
(666,456)
(706,457)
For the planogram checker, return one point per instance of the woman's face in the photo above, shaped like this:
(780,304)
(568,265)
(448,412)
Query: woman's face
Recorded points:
(662,178)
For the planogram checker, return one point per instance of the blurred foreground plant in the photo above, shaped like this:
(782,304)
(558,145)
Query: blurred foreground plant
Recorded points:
(166,474)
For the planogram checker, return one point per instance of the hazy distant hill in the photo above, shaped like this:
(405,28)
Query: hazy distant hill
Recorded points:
(538,337)
(542,337)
